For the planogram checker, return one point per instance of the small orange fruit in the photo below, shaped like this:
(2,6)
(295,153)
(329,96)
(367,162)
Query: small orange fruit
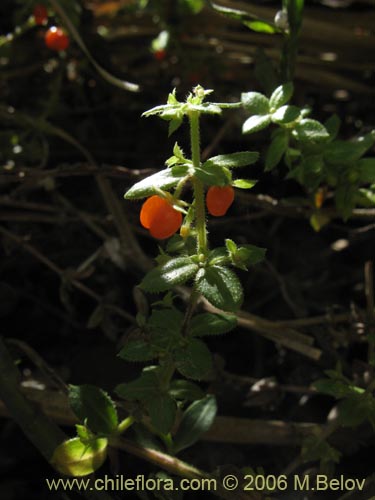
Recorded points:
(56,39)
(219,199)
(160,218)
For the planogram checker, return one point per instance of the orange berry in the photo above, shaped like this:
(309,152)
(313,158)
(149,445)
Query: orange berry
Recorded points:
(160,218)
(40,14)
(56,39)
(219,199)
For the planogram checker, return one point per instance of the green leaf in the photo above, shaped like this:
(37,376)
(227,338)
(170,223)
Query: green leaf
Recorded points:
(367,170)
(346,152)
(162,410)
(256,103)
(315,448)
(137,350)
(196,420)
(265,71)
(345,199)
(244,183)
(195,6)
(260,26)
(256,123)
(165,327)
(194,360)
(185,390)
(281,95)
(286,114)
(206,108)
(140,389)
(336,388)
(318,220)
(308,130)
(233,160)
(165,179)
(211,324)
(332,126)
(175,272)
(75,458)
(276,150)
(366,197)
(214,175)
(93,406)
(220,286)
(174,125)
(353,411)
(248,255)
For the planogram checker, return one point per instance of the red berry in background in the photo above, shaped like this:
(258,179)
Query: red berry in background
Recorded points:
(160,218)
(40,14)
(219,199)
(56,39)
(160,54)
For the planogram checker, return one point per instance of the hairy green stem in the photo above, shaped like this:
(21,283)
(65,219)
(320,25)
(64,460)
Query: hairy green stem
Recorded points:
(200,211)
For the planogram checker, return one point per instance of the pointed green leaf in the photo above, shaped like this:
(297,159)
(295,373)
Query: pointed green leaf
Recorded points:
(248,255)
(276,150)
(233,160)
(137,350)
(281,95)
(165,328)
(196,420)
(214,175)
(194,360)
(142,388)
(212,324)
(256,123)
(206,108)
(332,126)
(174,125)
(310,130)
(220,286)
(175,272)
(93,406)
(165,179)
(367,170)
(75,458)
(346,152)
(286,114)
(185,390)
(256,103)
(353,411)
(260,26)
(244,183)
(162,410)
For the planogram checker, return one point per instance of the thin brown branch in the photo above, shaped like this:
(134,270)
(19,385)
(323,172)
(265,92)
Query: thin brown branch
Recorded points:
(65,275)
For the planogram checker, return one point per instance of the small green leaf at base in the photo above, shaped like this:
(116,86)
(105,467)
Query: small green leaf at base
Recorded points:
(75,458)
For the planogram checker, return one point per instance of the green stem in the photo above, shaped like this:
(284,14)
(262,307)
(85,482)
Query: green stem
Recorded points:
(200,211)
(125,424)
